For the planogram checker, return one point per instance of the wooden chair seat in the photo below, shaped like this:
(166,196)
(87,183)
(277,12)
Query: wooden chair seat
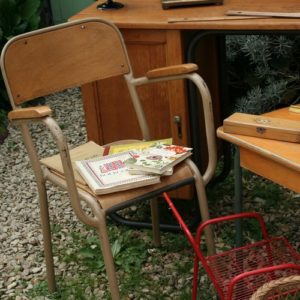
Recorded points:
(112,202)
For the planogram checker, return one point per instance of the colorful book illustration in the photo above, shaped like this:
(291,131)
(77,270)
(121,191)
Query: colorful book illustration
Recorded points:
(138,146)
(157,159)
(109,174)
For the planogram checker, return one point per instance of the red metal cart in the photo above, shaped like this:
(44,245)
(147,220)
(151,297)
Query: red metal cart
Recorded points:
(239,272)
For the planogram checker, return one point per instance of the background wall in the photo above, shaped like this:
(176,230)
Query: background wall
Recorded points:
(63,9)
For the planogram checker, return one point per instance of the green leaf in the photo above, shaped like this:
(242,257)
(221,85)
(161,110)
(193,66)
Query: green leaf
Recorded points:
(34,22)
(92,240)
(86,253)
(116,248)
(29,8)
(99,264)
(9,17)
(18,29)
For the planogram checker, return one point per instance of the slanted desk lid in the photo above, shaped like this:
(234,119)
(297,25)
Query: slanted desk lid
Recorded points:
(263,126)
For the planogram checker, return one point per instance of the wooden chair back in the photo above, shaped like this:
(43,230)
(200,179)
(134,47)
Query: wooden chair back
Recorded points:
(56,58)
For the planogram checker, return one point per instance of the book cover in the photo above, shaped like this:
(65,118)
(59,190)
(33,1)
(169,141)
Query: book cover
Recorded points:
(157,159)
(138,145)
(109,174)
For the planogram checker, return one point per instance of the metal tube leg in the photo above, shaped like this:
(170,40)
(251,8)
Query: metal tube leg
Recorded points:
(155,222)
(238,195)
(204,217)
(46,237)
(203,205)
(43,204)
(201,194)
(108,258)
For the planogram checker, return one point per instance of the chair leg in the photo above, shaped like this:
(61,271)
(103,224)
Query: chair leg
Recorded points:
(155,222)
(43,203)
(238,196)
(203,205)
(201,194)
(108,258)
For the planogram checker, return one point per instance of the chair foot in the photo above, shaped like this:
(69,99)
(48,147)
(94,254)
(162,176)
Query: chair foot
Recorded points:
(108,259)
(155,222)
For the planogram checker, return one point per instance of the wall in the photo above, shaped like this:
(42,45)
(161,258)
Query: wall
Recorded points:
(63,9)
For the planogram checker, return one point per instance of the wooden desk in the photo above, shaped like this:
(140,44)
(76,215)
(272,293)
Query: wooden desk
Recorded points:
(148,14)
(275,160)
(154,42)
(278,161)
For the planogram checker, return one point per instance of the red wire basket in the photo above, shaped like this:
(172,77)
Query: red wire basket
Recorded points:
(239,272)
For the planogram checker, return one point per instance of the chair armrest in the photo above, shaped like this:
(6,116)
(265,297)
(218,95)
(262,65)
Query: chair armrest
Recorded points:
(34,112)
(171,71)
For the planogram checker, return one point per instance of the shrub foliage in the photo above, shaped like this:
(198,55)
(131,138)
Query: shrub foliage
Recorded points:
(16,17)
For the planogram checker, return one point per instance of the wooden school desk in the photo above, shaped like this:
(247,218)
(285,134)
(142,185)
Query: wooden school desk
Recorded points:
(157,38)
(277,161)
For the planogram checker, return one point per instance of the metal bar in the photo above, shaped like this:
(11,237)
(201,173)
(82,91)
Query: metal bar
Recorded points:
(238,196)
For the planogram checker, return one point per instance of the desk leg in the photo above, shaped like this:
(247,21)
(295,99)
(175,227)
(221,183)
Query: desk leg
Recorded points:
(238,194)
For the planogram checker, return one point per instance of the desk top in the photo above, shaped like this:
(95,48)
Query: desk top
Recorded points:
(148,14)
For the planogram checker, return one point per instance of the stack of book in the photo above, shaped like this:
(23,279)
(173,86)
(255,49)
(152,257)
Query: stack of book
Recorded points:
(130,166)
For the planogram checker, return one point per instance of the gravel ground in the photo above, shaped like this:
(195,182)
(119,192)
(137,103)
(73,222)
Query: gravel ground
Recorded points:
(20,235)
(21,259)
(22,265)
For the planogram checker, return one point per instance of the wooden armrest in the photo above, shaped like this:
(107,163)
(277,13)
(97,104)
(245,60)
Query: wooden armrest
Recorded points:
(34,112)
(171,71)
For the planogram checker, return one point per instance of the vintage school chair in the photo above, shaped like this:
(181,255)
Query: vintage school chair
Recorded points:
(72,54)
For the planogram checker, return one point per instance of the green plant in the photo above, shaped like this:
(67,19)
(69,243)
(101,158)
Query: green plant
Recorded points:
(263,71)
(16,17)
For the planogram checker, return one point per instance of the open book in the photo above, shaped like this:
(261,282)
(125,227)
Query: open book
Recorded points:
(109,174)
(157,159)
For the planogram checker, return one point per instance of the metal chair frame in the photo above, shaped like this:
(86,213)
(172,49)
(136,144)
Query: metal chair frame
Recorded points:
(52,59)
